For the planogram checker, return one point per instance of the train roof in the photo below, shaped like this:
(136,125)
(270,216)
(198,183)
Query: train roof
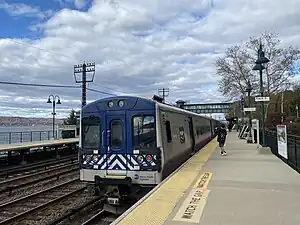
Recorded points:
(149,100)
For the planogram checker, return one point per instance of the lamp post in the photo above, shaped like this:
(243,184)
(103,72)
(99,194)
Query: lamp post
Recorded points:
(242,109)
(259,66)
(248,90)
(53,110)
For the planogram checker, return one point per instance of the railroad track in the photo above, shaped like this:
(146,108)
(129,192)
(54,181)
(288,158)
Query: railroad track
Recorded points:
(16,211)
(19,182)
(81,213)
(13,172)
(102,217)
(89,213)
(95,212)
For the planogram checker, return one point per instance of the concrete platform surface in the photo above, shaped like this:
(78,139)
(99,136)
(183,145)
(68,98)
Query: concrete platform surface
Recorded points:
(242,188)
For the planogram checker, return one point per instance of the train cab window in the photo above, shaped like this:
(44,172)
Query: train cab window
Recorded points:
(143,133)
(116,133)
(91,133)
(169,132)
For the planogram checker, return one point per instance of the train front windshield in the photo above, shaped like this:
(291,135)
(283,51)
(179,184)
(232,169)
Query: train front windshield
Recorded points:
(91,136)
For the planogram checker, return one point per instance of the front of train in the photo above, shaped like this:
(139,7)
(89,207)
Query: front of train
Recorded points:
(118,147)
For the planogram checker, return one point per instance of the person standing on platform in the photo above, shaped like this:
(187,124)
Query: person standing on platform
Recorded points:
(222,134)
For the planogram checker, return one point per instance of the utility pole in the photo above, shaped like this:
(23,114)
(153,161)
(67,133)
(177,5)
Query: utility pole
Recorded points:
(164,91)
(282,107)
(84,69)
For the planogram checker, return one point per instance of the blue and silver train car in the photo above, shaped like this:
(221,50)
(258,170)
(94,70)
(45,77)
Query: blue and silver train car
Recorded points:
(128,142)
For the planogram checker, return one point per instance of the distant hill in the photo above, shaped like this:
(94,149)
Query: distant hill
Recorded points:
(25,121)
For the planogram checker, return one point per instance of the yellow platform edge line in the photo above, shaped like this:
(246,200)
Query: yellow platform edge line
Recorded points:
(156,208)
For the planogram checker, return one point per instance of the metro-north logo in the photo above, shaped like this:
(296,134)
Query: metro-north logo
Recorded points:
(136,176)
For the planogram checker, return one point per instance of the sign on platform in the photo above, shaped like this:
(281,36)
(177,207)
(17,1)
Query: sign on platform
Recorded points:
(192,208)
(262,99)
(253,109)
(282,140)
(255,135)
(255,125)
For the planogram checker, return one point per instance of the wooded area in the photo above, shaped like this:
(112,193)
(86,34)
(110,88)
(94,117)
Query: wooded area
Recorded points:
(236,67)
(286,102)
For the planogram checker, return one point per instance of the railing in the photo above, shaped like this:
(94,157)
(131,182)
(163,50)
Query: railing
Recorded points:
(293,148)
(25,136)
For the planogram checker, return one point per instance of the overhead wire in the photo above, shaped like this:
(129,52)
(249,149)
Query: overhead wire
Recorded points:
(102,92)
(47,85)
(58,86)
(41,49)
(39,85)
(54,86)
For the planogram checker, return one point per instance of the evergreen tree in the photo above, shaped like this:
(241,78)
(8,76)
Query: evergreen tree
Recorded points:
(71,120)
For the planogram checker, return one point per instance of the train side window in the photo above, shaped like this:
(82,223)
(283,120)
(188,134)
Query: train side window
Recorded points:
(198,130)
(116,133)
(91,127)
(169,132)
(181,135)
(143,132)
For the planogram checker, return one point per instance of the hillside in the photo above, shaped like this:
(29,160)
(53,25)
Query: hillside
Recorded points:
(25,121)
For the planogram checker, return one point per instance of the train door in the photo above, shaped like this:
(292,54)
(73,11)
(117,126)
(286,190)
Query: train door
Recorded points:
(192,134)
(116,144)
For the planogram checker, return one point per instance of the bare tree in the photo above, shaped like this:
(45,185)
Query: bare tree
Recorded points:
(235,68)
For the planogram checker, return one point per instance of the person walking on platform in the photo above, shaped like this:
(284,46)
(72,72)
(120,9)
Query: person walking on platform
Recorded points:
(222,133)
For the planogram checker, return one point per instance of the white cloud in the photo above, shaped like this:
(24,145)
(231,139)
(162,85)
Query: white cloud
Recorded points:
(138,46)
(20,9)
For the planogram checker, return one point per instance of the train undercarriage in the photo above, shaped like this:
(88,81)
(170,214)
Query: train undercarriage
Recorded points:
(116,191)
(118,194)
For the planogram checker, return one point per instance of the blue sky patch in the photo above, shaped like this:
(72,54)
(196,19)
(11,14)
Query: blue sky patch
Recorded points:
(17,17)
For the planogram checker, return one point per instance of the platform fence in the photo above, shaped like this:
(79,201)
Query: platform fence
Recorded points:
(25,136)
(293,148)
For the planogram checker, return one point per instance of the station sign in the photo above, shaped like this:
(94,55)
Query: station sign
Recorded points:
(262,99)
(252,109)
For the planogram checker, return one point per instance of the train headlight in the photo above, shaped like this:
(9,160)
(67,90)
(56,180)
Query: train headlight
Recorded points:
(140,159)
(110,104)
(121,103)
(148,158)
(95,158)
(88,158)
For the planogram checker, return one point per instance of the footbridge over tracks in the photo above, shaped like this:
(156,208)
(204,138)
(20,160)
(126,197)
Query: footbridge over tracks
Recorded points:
(206,108)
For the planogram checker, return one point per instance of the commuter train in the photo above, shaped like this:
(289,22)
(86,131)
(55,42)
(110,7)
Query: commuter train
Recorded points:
(128,142)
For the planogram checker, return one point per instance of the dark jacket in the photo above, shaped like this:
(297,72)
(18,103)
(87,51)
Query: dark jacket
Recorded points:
(222,133)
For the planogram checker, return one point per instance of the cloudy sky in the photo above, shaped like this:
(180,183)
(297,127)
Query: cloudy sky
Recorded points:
(138,46)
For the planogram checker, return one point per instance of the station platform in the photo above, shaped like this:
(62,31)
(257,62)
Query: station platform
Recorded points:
(35,144)
(241,188)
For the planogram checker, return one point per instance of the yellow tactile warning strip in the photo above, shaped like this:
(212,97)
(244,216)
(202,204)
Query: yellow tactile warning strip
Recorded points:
(192,208)
(159,205)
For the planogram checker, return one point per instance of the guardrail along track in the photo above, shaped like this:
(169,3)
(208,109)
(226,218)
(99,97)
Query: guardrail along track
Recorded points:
(12,172)
(27,180)
(12,212)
